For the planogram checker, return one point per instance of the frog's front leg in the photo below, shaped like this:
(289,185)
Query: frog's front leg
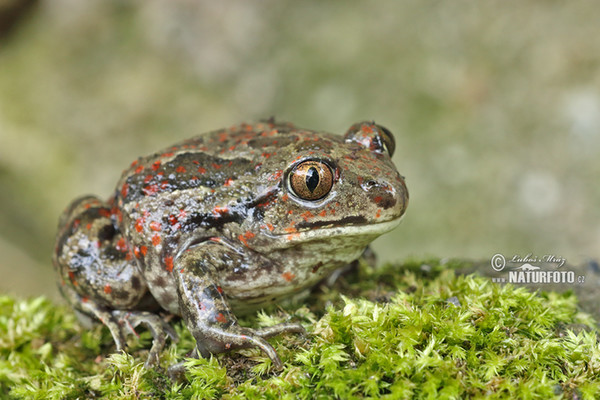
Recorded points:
(204,307)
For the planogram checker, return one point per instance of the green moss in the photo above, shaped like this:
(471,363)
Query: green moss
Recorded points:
(403,331)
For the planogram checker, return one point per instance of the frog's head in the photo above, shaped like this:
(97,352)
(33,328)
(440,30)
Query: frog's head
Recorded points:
(338,189)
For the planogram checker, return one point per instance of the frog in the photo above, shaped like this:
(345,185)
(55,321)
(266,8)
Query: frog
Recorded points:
(223,224)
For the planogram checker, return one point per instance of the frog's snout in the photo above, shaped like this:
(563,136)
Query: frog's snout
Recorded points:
(390,197)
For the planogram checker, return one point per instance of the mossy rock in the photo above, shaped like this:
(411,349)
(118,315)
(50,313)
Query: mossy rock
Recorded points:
(415,330)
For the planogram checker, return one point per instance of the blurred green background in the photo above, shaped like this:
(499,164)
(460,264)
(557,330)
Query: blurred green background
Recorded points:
(495,107)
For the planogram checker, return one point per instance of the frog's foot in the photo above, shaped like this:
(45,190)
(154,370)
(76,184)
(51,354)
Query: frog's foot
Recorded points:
(129,320)
(211,340)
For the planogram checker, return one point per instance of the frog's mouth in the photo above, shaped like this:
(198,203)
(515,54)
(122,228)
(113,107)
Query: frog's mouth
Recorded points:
(339,228)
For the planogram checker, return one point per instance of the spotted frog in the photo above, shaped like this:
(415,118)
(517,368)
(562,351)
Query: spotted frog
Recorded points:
(225,223)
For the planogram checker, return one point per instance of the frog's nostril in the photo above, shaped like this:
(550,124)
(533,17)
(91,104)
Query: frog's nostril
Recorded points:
(370,184)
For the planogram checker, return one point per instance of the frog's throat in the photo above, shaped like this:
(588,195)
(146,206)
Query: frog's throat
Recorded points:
(367,230)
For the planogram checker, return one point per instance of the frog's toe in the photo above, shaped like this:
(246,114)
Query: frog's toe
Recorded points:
(157,327)
(90,308)
(261,343)
(287,327)
(116,330)
(259,336)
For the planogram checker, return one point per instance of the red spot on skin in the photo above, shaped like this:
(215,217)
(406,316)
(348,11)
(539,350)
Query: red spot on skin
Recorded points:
(150,190)
(366,129)
(288,276)
(121,245)
(76,223)
(88,226)
(155,226)
(182,214)
(118,213)
(136,252)
(228,182)
(155,165)
(216,166)
(173,220)
(223,137)
(128,256)
(164,184)
(201,170)
(276,175)
(107,289)
(307,215)
(139,169)
(124,190)
(291,229)
(104,212)
(144,250)
(215,239)
(133,163)
(169,154)
(85,299)
(244,238)
(138,225)
(156,240)
(378,199)
(285,197)
(221,318)
(72,278)
(378,214)
(220,210)
(292,236)
(196,162)
(169,263)
(323,213)
(271,227)
(266,155)
(180,169)
(148,178)
(220,289)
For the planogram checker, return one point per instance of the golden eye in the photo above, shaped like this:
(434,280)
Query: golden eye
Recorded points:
(311,180)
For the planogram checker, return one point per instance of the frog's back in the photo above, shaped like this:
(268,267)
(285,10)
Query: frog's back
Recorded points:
(209,162)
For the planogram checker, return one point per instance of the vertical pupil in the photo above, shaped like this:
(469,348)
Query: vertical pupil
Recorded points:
(312,179)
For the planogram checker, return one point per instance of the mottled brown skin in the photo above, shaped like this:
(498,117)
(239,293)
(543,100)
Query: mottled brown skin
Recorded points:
(227,222)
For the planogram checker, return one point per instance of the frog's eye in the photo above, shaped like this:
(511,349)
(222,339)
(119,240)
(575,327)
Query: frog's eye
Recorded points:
(311,180)
(388,140)
(374,137)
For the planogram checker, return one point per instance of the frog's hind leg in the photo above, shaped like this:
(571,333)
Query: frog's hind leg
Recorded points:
(122,323)
(99,275)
